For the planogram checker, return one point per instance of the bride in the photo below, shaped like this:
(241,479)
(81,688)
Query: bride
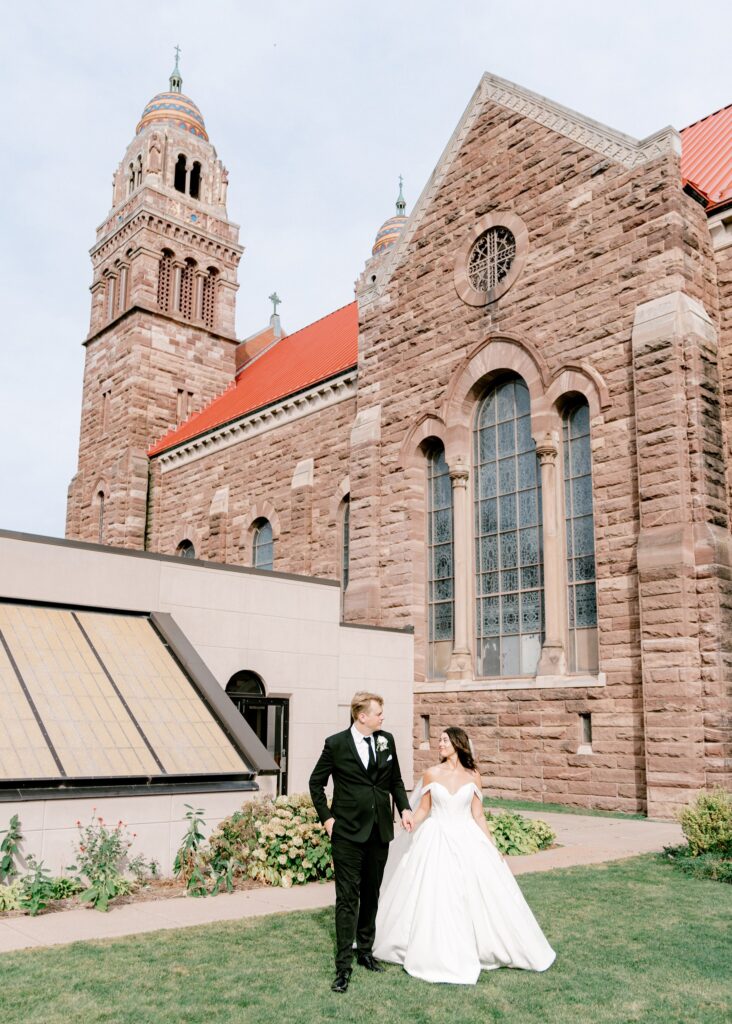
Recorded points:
(450,906)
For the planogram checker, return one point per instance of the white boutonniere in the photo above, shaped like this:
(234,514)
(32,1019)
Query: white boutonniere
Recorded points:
(382,743)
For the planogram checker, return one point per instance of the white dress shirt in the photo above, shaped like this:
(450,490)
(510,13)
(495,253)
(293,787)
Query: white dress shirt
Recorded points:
(362,746)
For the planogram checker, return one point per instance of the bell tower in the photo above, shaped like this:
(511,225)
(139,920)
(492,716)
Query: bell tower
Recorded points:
(161,339)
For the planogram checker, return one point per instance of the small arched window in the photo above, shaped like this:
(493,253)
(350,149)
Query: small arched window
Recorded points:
(580,535)
(186,549)
(179,178)
(131,180)
(195,185)
(100,523)
(186,289)
(139,170)
(245,683)
(164,277)
(263,545)
(209,295)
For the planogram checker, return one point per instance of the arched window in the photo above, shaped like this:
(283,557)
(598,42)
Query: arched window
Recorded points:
(100,500)
(579,520)
(139,170)
(195,185)
(346,541)
(111,295)
(165,268)
(131,180)
(186,289)
(244,684)
(440,563)
(508,551)
(179,178)
(209,294)
(263,545)
(186,549)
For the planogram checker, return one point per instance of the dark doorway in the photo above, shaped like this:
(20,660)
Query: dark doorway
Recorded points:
(269,717)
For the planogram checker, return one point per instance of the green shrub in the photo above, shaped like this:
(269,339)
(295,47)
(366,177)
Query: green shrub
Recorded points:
(707,824)
(10,895)
(705,865)
(36,888)
(189,865)
(515,835)
(278,842)
(63,888)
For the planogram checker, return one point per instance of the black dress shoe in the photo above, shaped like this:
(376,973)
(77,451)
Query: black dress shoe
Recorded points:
(370,962)
(341,981)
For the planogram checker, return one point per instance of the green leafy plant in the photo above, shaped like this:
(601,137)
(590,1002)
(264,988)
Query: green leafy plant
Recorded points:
(190,865)
(9,849)
(101,856)
(143,870)
(36,888)
(704,865)
(707,824)
(63,888)
(515,835)
(10,896)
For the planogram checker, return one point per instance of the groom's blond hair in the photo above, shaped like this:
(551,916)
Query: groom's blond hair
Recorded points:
(361,701)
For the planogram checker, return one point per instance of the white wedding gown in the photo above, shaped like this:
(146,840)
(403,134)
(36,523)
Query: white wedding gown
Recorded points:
(450,906)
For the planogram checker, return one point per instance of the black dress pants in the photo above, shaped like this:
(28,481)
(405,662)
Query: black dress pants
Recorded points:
(359,868)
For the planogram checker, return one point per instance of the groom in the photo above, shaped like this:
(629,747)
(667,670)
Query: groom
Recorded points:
(363,763)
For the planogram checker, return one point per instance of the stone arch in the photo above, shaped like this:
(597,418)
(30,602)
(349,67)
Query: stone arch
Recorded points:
(342,490)
(491,358)
(428,425)
(580,379)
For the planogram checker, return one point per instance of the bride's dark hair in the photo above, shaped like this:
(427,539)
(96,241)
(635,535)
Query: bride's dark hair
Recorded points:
(459,739)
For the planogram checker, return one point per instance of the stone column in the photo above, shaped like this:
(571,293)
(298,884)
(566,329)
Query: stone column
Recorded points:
(553,660)
(461,661)
(176,286)
(198,282)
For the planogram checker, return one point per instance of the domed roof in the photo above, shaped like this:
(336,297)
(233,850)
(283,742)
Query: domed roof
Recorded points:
(175,109)
(388,233)
(390,230)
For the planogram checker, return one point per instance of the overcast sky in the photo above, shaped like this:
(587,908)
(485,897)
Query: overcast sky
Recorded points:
(315,107)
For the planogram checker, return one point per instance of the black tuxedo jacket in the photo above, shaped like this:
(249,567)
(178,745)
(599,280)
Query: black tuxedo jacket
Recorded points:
(359,798)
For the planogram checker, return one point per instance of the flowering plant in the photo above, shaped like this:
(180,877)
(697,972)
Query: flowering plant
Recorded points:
(101,857)
(278,842)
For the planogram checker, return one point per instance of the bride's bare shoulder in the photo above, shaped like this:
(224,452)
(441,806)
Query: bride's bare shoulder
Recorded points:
(432,774)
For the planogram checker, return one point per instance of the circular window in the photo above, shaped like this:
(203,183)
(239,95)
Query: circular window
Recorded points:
(491,259)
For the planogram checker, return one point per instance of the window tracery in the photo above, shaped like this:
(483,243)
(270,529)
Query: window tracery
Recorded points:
(491,258)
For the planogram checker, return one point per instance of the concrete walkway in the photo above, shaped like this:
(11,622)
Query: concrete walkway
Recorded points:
(583,839)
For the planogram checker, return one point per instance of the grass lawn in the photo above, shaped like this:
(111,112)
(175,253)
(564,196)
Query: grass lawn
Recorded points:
(636,942)
(532,805)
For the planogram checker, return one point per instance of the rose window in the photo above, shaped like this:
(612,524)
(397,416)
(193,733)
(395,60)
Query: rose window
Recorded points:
(491,258)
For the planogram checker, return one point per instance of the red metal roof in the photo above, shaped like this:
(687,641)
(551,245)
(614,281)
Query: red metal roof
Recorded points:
(706,157)
(315,353)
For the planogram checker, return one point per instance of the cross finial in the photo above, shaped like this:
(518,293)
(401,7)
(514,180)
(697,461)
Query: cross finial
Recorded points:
(276,301)
(176,80)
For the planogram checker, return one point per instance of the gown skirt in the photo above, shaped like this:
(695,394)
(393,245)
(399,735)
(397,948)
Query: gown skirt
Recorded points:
(450,906)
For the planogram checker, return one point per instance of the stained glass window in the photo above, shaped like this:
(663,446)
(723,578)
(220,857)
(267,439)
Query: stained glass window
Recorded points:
(581,592)
(490,258)
(441,573)
(263,545)
(509,597)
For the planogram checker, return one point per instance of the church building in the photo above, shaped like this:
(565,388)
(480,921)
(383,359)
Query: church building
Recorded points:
(514,440)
